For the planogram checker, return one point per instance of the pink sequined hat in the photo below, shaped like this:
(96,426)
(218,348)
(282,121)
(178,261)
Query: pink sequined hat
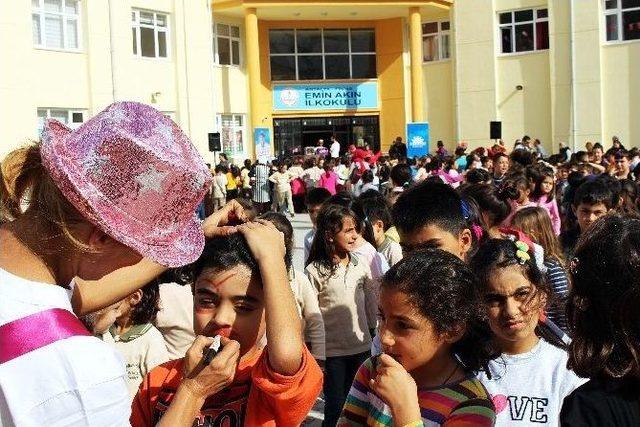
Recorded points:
(131,171)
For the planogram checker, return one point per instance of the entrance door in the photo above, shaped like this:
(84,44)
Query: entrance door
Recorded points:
(291,136)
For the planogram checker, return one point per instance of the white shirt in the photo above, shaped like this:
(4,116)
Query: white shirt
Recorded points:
(77,381)
(175,318)
(335,149)
(528,389)
(312,324)
(376,261)
(141,353)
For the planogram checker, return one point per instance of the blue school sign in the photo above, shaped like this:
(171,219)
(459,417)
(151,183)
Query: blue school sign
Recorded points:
(330,96)
(417,139)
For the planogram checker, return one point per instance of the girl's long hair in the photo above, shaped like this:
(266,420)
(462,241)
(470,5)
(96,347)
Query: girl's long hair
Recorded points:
(26,188)
(328,225)
(535,222)
(543,173)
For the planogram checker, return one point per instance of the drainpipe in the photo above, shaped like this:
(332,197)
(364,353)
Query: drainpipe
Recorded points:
(573,73)
(112,43)
(186,67)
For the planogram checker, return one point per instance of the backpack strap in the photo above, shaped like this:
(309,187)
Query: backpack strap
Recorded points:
(37,330)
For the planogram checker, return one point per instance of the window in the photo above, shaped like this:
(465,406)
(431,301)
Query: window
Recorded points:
(524,30)
(435,41)
(622,20)
(231,127)
(55,24)
(226,44)
(322,54)
(150,32)
(71,118)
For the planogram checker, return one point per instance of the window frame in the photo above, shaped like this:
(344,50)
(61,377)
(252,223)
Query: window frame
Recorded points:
(512,26)
(137,25)
(439,35)
(349,54)
(617,12)
(41,12)
(70,111)
(216,56)
(242,128)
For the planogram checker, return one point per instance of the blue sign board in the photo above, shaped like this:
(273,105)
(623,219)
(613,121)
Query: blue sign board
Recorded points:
(329,96)
(417,139)
(262,141)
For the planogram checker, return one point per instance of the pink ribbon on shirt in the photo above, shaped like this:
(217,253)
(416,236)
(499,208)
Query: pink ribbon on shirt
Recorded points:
(38,330)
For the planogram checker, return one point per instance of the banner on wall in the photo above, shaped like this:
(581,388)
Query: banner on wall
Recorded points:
(262,141)
(417,139)
(329,96)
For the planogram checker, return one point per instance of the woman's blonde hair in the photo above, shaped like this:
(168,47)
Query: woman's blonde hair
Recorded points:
(535,222)
(26,188)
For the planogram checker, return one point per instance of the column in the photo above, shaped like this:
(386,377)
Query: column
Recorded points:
(253,69)
(415,40)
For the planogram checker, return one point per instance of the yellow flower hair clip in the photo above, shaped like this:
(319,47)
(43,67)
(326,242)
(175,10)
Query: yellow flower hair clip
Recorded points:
(522,251)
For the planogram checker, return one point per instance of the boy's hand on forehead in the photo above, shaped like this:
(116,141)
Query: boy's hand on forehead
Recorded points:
(224,221)
(264,239)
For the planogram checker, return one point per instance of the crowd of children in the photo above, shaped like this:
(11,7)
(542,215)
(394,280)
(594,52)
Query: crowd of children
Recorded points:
(467,290)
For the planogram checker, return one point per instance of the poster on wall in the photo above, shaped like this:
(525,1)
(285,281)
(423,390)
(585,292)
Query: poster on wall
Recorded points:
(262,141)
(417,139)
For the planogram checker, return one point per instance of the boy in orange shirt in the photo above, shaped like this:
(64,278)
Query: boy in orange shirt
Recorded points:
(241,293)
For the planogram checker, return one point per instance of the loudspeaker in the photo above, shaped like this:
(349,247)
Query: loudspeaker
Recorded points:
(495,130)
(214,142)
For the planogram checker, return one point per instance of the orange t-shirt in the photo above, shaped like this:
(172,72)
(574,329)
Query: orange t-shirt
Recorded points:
(258,396)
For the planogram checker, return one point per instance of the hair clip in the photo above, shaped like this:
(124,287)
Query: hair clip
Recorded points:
(522,251)
(477,231)
(465,209)
(573,265)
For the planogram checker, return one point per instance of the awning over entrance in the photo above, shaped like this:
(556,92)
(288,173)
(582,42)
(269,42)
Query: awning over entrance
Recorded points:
(327,9)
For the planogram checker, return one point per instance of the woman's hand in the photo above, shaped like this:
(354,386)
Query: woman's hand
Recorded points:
(203,381)
(220,223)
(398,389)
(263,239)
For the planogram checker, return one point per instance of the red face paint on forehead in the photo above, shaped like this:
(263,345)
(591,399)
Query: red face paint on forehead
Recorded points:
(220,280)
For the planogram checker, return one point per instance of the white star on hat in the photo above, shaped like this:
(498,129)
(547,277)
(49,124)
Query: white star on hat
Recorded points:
(151,179)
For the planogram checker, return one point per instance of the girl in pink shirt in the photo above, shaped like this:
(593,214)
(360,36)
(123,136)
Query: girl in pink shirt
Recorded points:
(543,196)
(329,179)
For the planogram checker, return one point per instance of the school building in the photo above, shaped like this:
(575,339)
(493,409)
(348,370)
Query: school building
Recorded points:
(287,73)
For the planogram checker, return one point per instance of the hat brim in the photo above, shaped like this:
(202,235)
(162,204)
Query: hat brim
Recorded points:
(186,245)
(185,249)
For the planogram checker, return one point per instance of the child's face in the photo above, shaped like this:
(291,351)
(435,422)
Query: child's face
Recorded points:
(563,174)
(513,308)
(346,238)
(432,236)
(547,185)
(314,210)
(588,214)
(622,165)
(502,165)
(488,165)
(597,155)
(103,319)
(406,335)
(229,303)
